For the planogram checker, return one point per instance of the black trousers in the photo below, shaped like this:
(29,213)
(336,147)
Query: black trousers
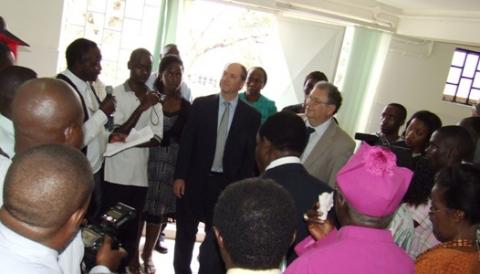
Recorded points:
(187,228)
(97,202)
(130,232)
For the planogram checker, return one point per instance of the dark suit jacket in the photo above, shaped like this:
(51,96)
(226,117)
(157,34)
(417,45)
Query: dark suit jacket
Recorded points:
(304,189)
(197,147)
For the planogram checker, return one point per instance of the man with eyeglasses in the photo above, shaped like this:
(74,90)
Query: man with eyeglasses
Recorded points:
(329,147)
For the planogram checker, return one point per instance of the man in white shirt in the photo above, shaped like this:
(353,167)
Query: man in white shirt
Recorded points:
(46,111)
(254,222)
(83,67)
(44,208)
(184,89)
(328,147)
(126,172)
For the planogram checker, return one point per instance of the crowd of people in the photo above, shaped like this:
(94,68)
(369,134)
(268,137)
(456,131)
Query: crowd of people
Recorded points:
(403,202)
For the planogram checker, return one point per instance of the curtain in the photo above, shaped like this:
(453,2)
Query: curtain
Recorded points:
(368,53)
(167,27)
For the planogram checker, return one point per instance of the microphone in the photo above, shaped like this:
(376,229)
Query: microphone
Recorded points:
(109,124)
(109,90)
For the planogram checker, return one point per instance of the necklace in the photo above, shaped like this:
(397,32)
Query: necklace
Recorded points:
(457,243)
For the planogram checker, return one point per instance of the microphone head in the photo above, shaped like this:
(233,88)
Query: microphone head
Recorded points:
(109,90)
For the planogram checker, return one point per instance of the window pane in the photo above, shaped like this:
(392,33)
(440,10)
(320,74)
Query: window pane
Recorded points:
(458,58)
(450,89)
(464,88)
(474,95)
(476,82)
(470,65)
(454,75)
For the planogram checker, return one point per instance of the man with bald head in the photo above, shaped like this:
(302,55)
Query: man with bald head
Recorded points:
(126,177)
(47,192)
(10,79)
(46,111)
(217,148)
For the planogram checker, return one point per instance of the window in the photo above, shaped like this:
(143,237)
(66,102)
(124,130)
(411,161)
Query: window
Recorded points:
(211,34)
(463,81)
(117,26)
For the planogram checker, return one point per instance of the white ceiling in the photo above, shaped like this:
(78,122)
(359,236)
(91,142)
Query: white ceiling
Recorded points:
(453,21)
(428,6)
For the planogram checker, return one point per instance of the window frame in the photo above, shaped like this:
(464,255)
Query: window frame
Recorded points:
(455,98)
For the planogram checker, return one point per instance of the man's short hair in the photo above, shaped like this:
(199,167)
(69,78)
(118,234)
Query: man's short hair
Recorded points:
(317,76)
(472,125)
(461,186)
(46,184)
(286,131)
(457,138)
(334,95)
(256,218)
(10,79)
(77,50)
(402,111)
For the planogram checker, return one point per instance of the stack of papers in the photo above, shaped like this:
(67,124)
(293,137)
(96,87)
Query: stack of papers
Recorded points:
(133,139)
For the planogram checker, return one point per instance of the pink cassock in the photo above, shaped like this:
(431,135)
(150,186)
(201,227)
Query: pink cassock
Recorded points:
(353,249)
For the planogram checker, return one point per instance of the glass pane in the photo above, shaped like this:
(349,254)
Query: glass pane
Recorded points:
(454,75)
(458,58)
(470,65)
(476,82)
(450,89)
(464,88)
(474,95)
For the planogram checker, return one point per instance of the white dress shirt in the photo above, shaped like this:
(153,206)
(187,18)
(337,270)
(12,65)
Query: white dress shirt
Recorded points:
(4,164)
(94,127)
(129,167)
(20,255)
(283,161)
(314,137)
(250,271)
(7,136)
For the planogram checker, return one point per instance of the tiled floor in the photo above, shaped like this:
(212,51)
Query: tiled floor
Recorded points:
(164,262)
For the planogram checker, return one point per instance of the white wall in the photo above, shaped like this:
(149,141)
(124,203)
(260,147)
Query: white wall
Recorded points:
(38,23)
(415,78)
(306,47)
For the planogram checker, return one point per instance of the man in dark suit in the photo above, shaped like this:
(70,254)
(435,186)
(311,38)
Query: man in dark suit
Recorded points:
(217,148)
(280,142)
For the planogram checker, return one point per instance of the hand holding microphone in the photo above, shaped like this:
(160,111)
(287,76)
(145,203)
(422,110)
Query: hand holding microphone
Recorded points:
(108,104)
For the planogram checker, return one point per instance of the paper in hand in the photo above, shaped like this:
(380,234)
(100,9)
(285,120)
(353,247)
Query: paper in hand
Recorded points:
(133,139)
(326,203)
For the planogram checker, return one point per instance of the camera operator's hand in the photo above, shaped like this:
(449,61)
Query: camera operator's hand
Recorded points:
(109,257)
(108,105)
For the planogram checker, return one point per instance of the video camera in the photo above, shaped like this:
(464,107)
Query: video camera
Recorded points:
(404,154)
(111,221)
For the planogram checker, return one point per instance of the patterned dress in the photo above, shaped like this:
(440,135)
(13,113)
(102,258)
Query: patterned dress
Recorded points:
(161,164)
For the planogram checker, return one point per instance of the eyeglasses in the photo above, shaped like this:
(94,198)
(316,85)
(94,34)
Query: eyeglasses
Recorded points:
(316,101)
